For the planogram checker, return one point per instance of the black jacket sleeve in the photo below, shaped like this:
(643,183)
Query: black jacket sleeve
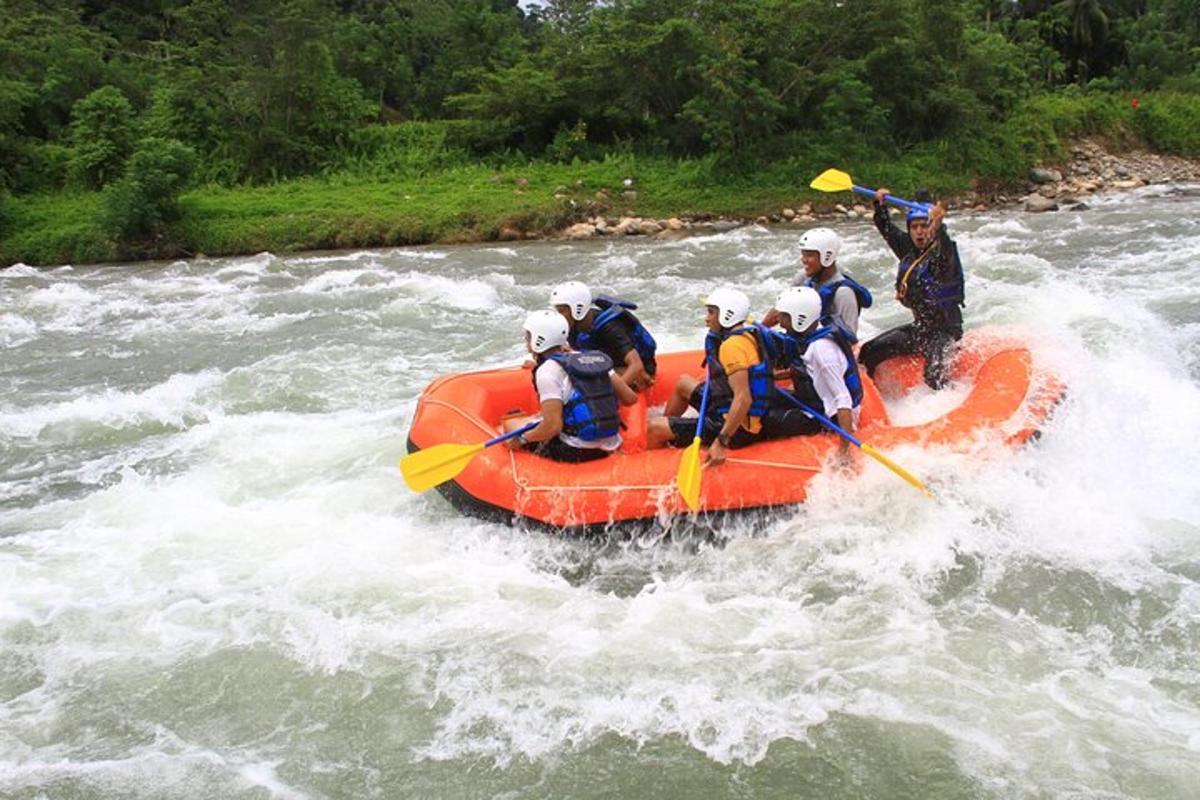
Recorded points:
(899,241)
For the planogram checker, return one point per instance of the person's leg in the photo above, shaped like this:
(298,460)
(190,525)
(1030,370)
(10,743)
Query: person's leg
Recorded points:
(938,348)
(679,431)
(557,450)
(780,423)
(889,344)
(680,397)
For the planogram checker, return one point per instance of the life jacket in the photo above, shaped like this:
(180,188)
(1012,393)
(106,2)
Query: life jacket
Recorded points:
(802,382)
(591,411)
(862,295)
(611,309)
(762,375)
(921,289)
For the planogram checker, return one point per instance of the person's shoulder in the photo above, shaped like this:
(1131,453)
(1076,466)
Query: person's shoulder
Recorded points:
(549,369)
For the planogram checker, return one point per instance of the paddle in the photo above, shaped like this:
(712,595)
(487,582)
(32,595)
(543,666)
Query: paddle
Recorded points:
(834,180)
(427,468)
(688,478)
(866,448)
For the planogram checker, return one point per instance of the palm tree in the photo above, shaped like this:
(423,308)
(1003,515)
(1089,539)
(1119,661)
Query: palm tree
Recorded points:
(1089,31)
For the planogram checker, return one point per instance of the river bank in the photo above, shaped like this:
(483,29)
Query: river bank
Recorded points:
(1055,153)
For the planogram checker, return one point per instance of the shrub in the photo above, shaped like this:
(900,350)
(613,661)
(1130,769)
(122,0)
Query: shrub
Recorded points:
(102,131)
(147,196)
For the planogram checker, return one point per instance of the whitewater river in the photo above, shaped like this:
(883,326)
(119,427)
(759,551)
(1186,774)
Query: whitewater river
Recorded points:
(214,584)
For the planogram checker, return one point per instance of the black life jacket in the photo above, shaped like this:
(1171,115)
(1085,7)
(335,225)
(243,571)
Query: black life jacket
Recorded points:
(612,309)
(762,376)
(924,291)
(862,295)
(591,411)
(802,382)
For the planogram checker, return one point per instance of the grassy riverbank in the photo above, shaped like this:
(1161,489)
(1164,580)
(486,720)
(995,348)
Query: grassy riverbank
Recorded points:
(458,200)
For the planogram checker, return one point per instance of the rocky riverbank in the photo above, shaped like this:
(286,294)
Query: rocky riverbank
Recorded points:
(1092,169)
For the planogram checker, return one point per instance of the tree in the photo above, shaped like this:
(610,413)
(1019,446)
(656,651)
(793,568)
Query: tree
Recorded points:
(102,133)
(146,198)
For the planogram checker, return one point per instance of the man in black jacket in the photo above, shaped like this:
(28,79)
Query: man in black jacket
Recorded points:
(929,282)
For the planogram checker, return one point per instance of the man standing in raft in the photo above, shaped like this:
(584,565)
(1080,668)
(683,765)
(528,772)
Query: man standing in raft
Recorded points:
(929,281)
(842,297)
(740,366)
(578,393)
(608,325)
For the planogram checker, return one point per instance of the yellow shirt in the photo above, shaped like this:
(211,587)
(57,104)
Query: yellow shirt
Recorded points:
(736,354)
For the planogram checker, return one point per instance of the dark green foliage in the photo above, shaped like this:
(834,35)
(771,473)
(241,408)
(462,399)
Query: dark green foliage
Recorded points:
(102,133)
(147,196)
(266,89)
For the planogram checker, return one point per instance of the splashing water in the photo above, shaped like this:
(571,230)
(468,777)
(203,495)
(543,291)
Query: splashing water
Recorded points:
(215,583)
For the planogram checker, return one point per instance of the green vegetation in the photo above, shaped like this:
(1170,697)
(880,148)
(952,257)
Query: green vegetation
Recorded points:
(326,123)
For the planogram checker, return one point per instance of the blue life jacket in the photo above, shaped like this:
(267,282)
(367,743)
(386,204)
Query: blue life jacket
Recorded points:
(862,295)
(762,375)
(611,309)
(802,382)
(925,290)
(590,412)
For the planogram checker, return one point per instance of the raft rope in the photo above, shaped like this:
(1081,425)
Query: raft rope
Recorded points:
(524,484)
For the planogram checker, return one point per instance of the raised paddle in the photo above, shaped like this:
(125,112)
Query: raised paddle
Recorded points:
(427,468)
(688,478)
(861,445)
(834,180)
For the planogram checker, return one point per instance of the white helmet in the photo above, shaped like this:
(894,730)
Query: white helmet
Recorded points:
(546,329)
(802,304)
(575,295)
(732,305)
(825,242)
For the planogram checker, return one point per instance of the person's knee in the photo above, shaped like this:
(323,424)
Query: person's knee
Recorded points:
(658,432)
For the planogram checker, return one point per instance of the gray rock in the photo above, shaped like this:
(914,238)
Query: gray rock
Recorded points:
(630,195)
(649,227)
(725,225)
(1036,204)
(789,213)
(1079,207)
(1044,175)
(581,230)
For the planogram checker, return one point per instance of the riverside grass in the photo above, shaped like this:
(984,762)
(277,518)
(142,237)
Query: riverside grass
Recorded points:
(474,201)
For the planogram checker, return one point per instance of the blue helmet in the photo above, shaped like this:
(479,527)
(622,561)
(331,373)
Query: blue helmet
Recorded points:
(917,213)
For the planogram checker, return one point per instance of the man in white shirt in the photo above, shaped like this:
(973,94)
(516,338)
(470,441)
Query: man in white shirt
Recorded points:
(823,370)
(842,297)
(577,394)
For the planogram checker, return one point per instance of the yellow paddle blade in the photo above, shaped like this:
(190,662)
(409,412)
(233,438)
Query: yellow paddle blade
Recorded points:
(896,468)
(427,468)
(688,479)
(832,180)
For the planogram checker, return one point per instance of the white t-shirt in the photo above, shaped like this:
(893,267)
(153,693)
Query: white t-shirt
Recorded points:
(845,302)
(553,383)
(826,365)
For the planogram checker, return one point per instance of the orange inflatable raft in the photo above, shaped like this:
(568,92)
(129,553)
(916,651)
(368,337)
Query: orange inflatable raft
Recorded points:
(1008,399)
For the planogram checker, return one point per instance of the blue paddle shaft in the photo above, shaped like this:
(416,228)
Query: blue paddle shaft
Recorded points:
(704,400)
(526,428)
(821,418)
(896,201)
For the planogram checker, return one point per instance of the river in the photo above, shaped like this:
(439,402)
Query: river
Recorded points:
(215,584)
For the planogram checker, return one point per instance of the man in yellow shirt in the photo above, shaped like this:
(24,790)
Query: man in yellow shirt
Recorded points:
(742,384)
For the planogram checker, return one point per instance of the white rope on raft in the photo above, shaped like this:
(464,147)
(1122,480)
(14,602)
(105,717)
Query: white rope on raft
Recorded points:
(521,482)
(623,487)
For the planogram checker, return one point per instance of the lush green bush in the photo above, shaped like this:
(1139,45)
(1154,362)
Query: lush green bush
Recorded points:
(5,212)
(1170,121)
(147,196)
(103,130)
